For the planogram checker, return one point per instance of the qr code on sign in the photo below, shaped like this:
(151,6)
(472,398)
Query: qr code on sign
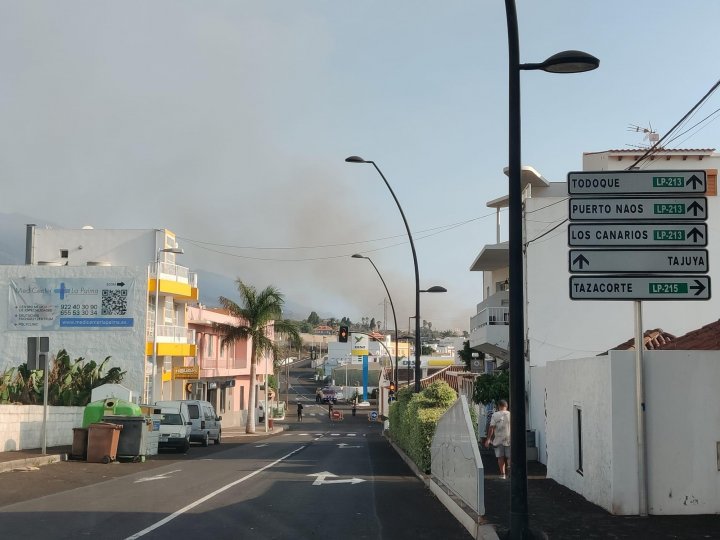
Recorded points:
(114,302)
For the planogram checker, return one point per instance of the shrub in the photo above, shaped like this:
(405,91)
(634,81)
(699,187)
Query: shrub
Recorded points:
(414,417)
(70,382)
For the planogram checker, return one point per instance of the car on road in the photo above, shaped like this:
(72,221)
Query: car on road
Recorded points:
(328,395)
(175,428)
(205,422)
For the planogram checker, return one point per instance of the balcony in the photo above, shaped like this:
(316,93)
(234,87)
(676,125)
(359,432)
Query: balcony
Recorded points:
(176,281)
(489,331)
(171,341)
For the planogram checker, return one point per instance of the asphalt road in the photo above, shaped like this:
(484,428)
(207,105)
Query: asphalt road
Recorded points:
(316,480)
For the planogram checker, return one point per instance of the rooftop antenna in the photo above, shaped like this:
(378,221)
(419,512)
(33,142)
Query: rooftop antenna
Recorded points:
(651,135)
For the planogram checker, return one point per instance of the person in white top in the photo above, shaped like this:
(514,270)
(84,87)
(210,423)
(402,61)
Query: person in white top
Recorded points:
(499,434)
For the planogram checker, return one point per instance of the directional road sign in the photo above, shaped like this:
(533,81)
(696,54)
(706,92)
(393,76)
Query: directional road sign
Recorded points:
(637,234)
(617,287)
(641,261)
(638,209)
(635,182)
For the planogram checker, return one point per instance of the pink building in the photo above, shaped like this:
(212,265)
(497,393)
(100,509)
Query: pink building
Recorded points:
(222,376)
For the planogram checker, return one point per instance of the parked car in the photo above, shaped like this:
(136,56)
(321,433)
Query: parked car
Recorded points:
(205,422)
(175,428)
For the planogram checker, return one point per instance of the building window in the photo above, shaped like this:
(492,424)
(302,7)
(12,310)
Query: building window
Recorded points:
(210,339)
(577,414)
(64,253)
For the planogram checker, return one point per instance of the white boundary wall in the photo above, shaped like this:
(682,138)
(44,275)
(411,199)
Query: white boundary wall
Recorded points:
(455,456)
(682,430)
(21,426)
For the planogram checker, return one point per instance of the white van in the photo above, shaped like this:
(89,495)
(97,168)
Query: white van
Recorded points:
(175,427)
(205,423)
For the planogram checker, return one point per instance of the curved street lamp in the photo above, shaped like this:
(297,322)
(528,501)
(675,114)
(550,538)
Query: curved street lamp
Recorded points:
(392,307)
(357,159)
(563,62)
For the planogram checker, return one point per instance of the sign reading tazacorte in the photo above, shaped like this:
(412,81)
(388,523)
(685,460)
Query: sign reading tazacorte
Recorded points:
(616,287)
(69,304)
(638,222)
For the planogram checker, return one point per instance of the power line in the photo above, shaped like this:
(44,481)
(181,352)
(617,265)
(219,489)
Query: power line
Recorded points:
(657,146)
(430,232)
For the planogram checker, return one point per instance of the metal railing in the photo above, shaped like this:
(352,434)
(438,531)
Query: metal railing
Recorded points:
(490,316)
(171,271)
(172,334)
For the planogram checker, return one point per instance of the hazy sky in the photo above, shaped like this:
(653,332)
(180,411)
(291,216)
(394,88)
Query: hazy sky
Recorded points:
(228,122)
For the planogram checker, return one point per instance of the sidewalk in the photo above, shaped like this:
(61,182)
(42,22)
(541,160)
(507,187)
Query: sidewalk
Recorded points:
(557,512)
(33,457)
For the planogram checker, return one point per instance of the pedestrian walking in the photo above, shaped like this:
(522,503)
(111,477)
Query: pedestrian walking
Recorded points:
(261,415)
(318,397)
(354,409)
(330,409)
(299,410)
(499,435)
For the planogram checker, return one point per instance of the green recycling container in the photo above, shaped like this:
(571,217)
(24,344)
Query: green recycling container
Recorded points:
(95,411)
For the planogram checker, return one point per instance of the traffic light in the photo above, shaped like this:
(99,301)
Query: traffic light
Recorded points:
(392,386)
(343,334)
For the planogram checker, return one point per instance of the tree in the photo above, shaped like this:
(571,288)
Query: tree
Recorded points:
(491,387)
(313,318)
(426,350)
(258,312)
(372,324)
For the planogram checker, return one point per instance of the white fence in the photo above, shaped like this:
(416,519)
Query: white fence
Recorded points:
(456,461)
(21,426)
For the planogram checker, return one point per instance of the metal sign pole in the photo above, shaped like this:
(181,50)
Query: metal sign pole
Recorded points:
(640,409)
(46,378)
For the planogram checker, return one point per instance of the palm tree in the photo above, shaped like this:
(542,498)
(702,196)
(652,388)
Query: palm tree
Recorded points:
(258,313)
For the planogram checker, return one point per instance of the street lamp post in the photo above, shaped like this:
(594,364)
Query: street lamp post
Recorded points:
(177,251)
(563,62)
(356,159)
(392,307)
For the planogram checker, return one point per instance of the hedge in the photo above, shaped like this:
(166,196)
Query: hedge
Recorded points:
(414,417)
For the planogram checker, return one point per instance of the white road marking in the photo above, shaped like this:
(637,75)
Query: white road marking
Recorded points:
(209,496)
(321,476)
(351,434)
(346,445)
(162,476)
(334,434)
(261,445)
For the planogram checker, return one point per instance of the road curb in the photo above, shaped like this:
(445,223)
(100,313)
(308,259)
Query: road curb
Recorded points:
(479,531)
(38,461)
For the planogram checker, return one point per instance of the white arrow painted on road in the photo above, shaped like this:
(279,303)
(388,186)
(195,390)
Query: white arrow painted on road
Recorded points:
(346,445)
(261,445)
(162,476)
(321,479)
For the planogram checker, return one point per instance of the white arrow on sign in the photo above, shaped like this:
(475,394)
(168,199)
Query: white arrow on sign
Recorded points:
(162,476)
(321,479)
(346,445)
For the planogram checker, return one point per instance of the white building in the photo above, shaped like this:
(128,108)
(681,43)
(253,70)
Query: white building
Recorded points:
(107,261)
(556,327)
